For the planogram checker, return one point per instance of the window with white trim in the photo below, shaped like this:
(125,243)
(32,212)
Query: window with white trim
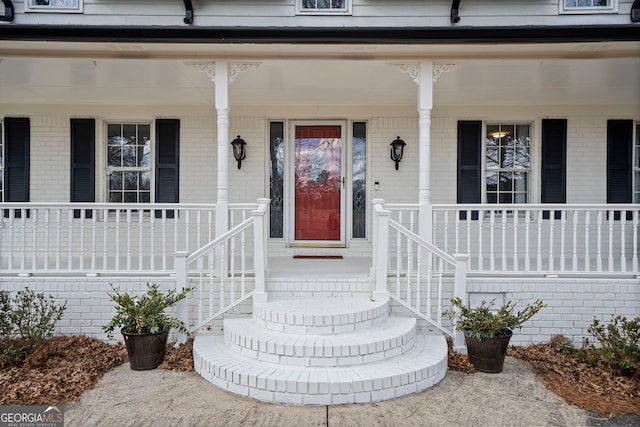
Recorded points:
(129,164)
(636,166)
(588,6)
(323,7)
(507,163)
(65,6)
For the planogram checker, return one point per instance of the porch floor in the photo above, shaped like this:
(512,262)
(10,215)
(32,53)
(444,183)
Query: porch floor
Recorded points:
(302,268)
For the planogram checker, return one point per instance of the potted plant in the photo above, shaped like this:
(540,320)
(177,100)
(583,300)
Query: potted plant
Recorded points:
(144,324)
(487,331)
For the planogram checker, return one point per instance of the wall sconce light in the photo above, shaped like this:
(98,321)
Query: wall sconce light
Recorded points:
(397,149)
(239,149)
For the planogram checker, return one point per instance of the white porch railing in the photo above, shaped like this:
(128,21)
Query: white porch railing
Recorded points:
(415,273)
(537,239)
(217,290)
(102,238)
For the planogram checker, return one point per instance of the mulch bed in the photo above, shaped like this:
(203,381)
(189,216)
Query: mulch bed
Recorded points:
(65,367)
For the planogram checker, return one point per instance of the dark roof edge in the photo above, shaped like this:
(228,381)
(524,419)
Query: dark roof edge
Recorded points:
(301,35)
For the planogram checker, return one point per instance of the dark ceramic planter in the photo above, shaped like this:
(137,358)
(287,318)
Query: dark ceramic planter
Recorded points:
(146,351)
(488,355)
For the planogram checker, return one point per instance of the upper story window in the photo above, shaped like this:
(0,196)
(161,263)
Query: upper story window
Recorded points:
(65,6)
(324,7)
(588,6)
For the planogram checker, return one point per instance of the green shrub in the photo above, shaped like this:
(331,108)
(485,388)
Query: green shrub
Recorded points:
(145,313)
(618,344)
(26,322)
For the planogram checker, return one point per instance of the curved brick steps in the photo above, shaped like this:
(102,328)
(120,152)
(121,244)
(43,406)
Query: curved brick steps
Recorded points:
(321,351)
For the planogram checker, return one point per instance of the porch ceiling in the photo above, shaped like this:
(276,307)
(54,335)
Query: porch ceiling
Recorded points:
(123,74)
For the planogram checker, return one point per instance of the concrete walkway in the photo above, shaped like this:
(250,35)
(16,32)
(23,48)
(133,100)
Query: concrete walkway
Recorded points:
(515,397)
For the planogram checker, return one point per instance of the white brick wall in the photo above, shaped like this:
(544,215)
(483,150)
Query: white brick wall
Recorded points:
(572,304)
(50,158)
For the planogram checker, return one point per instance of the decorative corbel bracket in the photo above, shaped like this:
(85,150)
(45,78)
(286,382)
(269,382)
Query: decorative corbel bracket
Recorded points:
(8,11)
(234,69)
(455,9)
(412,68)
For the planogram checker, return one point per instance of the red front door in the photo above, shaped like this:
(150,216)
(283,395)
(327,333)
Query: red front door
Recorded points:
(318,180)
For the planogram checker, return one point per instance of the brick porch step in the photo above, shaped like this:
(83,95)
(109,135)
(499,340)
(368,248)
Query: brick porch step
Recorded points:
(321,351)
(416,370)
(391,338)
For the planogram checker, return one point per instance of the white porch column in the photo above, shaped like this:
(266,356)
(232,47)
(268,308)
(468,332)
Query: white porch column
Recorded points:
(221,80)
(425,104)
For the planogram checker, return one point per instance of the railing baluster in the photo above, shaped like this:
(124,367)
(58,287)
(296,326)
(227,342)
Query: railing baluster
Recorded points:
(409,262)
(587,239)
(623,253)
(398,258)
(152,240)
(551,241)
(457,233)
(243,260)
(516,220)
(610,242)
(504,240)
(128,219)
(527,238)
(599,242)
(69,239)
(105,234)
(446,232)
(539,258)
(419,278)
(164,239)
(117,251)
(635,242)
(563,229)
(94,238)
(47,218)
(82,228)
(141,239)
(429,282)
(480,239)
(492,250)
(469,222)
(11,236)
(34,239)
(574,257)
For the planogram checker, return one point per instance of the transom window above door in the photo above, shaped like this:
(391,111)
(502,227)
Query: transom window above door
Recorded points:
(323,7)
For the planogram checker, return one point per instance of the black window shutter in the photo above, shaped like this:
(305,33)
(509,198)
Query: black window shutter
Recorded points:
(167,162)
(469,164)
(619,158)
(83,154)
(554,163)
(16,160)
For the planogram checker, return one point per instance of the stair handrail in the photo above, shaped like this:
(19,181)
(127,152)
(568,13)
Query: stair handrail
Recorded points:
(183,259)
(382,226)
